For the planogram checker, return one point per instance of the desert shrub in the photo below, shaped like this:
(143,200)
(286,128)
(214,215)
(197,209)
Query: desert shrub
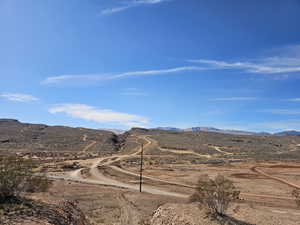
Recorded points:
(38,183)
(296,195)
(17,176)
(215,194)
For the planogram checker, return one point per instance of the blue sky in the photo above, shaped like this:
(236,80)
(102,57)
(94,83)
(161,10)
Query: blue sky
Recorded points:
(123,63)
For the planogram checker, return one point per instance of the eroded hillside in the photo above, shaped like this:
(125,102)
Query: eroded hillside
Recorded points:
(17,136)
(259,147)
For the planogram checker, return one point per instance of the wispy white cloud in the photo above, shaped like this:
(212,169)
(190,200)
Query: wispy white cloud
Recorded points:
(233,99)
(266,66)
(294,100)
(66,78)
(134,93)
(282,111)
(130,4)
(281,65)
(106,116)
(288,61)
(17,97)
(101,77)
(116,9)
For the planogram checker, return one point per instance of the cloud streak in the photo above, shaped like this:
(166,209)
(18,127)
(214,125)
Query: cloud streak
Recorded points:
(282,111)
(130,4)
(233,99)
(282,66)
(286,61)
(16,97)
(102,77)
(266,66)
(294,100)
(106,116)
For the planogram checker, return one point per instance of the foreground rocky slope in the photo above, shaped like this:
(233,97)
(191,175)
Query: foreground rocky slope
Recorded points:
(39,213)
(189,214)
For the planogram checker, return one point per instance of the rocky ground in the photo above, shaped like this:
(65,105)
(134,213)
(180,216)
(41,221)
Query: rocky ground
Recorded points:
(170,174)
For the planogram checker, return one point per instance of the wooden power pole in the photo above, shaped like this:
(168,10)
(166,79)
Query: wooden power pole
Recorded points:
(141,169)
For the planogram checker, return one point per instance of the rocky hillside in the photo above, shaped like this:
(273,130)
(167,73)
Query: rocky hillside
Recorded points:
(15,135)
(229,146)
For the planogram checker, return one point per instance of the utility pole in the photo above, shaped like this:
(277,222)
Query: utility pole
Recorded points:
(141,169)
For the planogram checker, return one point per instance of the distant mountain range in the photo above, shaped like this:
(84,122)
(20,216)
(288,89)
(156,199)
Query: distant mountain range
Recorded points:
(216,130)
(289,132)
(223,131)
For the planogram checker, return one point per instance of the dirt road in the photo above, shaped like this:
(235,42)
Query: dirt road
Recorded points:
(89,146)
(183,152)
(259,171)
(96,177)
(218,149)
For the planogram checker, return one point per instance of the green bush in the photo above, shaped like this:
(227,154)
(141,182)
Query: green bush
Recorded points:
(215,194)
(17,176)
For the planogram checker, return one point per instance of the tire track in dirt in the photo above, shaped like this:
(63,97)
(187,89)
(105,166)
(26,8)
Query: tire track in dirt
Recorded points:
(183,152)
(86,148)
(255,169)
(129,214)
(149,178)
(84,137)
(218,149)
(176,151)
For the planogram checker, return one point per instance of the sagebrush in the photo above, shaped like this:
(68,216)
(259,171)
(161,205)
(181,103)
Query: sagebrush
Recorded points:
(18,176)
(215,194)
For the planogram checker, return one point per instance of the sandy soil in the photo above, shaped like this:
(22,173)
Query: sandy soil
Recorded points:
(109,195)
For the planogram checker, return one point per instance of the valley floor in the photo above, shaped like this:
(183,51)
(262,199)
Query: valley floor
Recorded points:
(107,188)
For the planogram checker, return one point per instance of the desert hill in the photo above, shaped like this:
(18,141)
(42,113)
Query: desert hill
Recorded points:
(231,146)
(15,135)
(18,136)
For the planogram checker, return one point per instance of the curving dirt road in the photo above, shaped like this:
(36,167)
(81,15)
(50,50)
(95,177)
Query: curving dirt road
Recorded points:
(89,146)
(86,148)
(96,177)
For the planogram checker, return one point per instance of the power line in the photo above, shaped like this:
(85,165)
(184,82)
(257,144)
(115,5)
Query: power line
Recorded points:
(141,169)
